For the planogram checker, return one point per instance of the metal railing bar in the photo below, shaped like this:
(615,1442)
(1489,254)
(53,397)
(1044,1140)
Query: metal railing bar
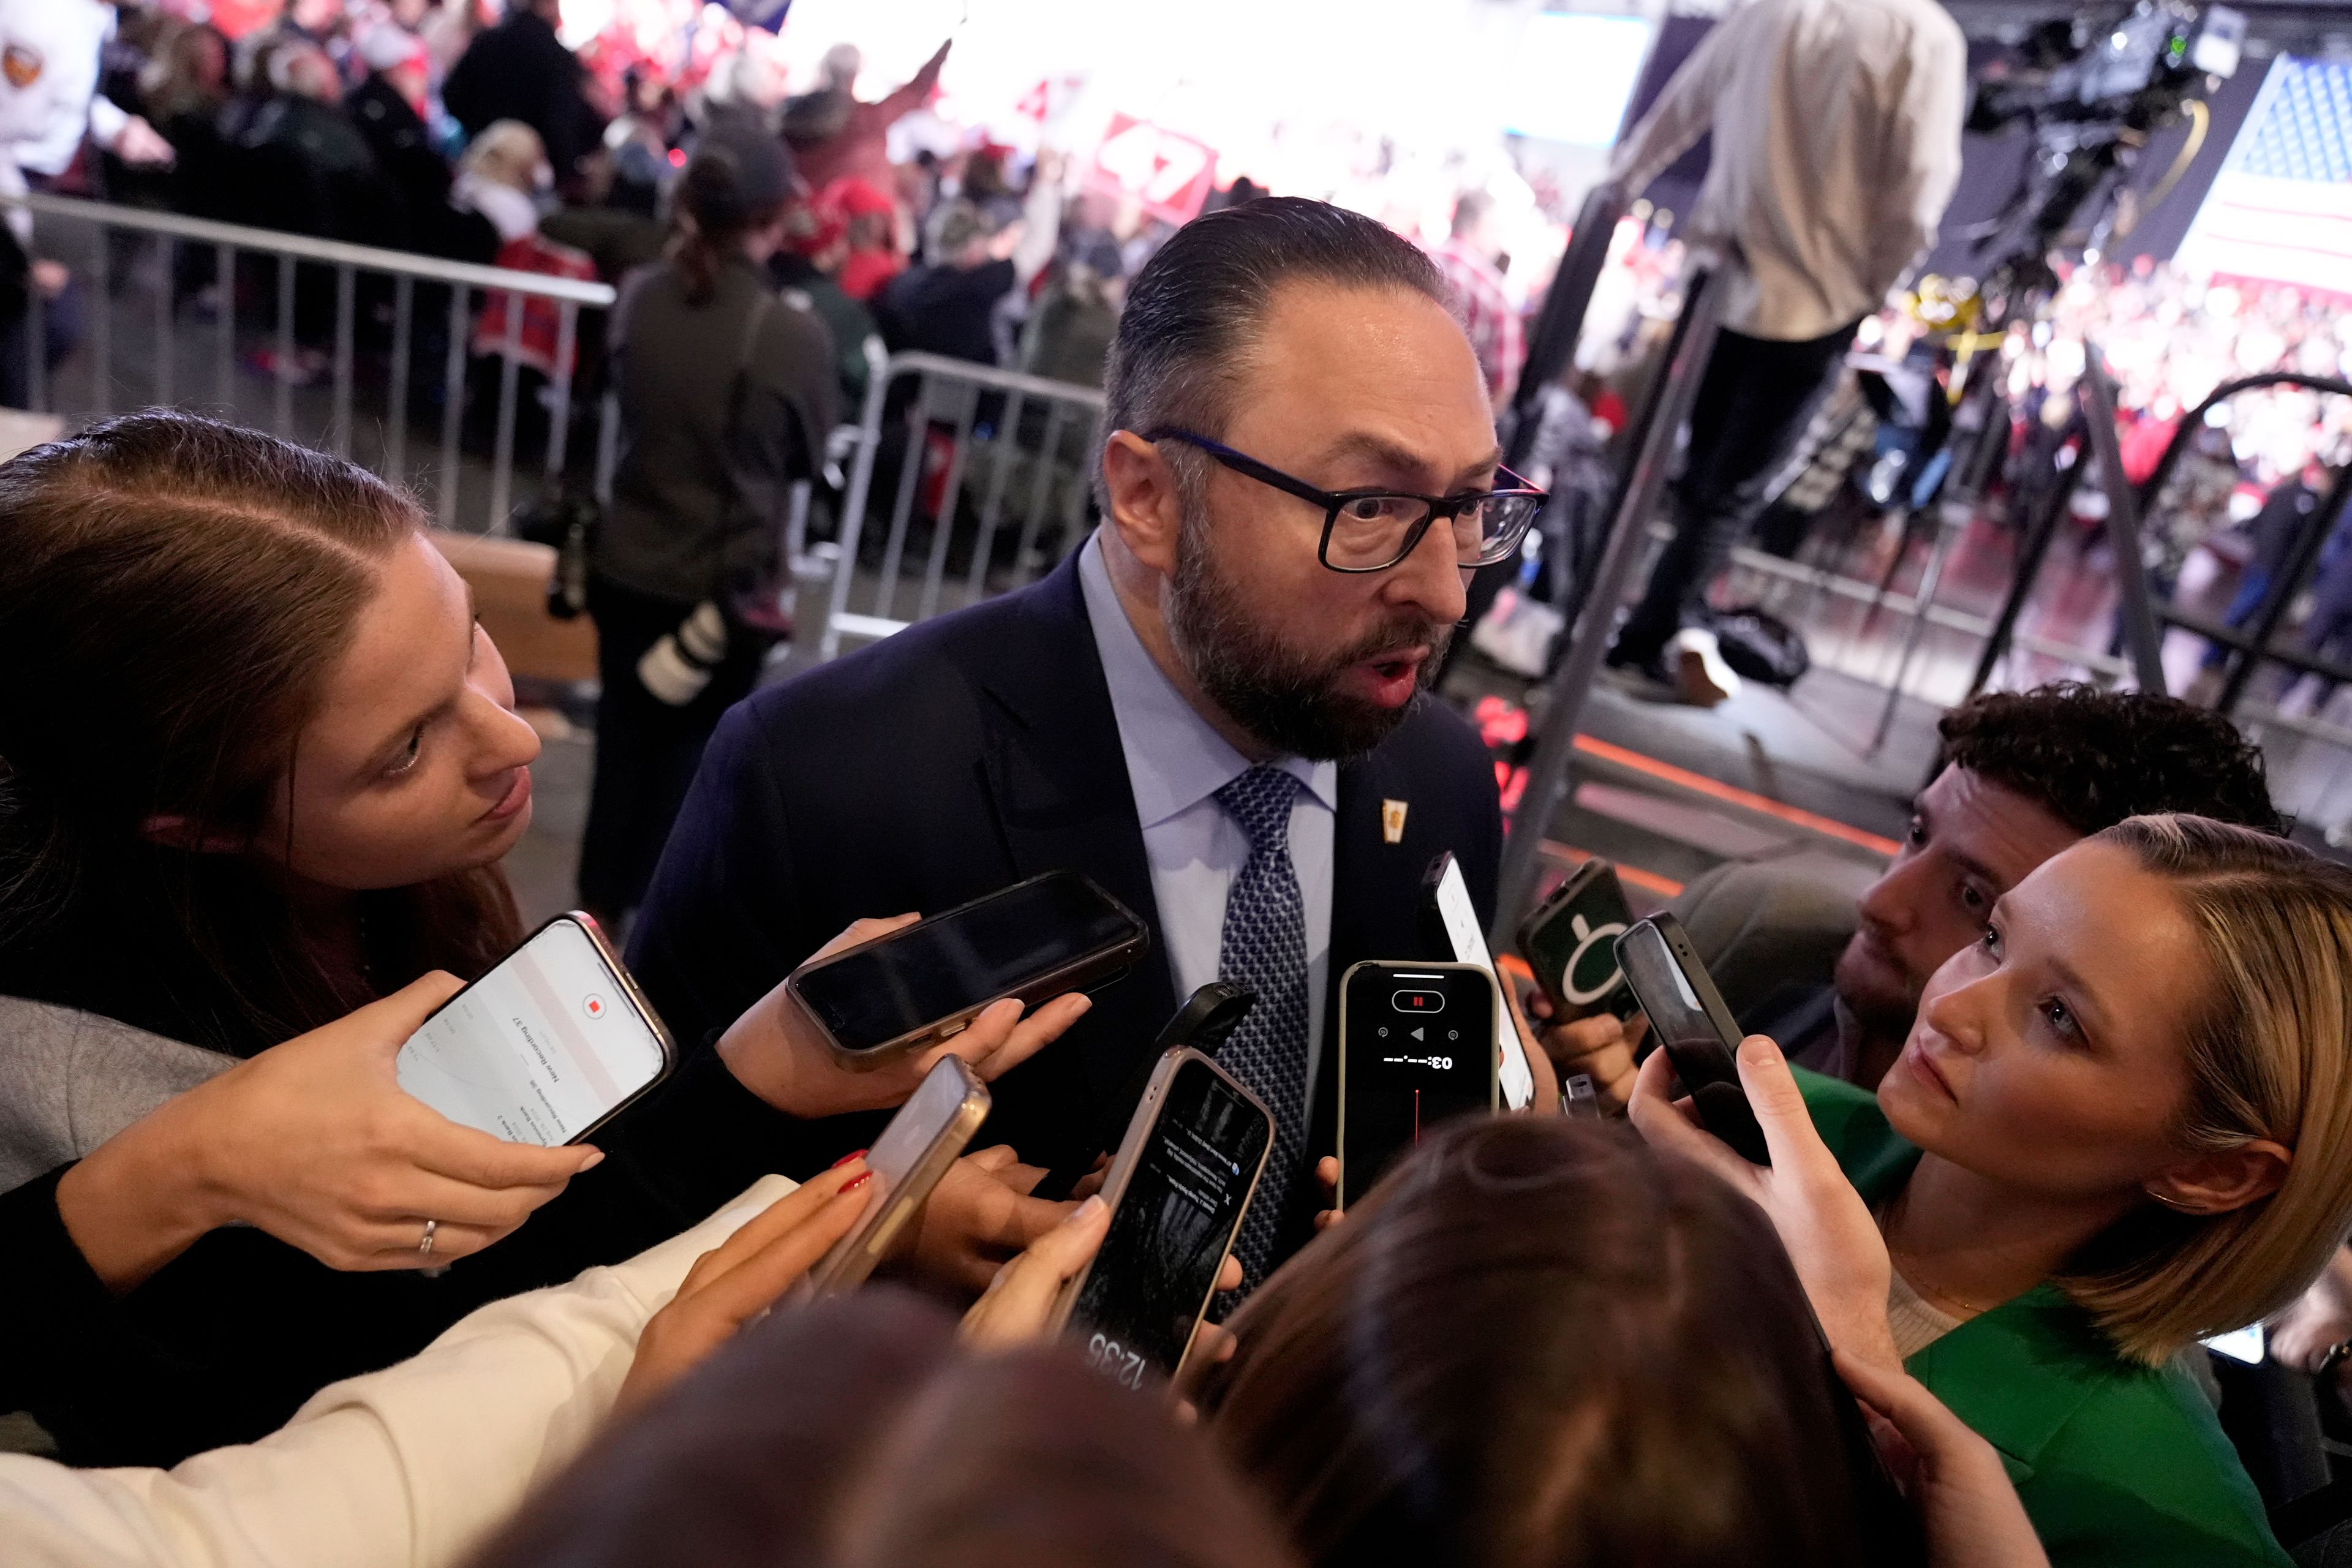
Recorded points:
(331,251)
(854,502)
(558,413)
(282,409)
(339,431)
(1001,380)
(1032,518)
(943,527)
(902,507)
(453,407)
(1008,428)
(856,625)
(403,311)
(502,448)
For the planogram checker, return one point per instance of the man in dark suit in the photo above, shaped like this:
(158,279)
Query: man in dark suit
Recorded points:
(1215,708)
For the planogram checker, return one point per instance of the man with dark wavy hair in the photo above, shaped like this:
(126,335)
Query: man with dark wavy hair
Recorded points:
(2019,775)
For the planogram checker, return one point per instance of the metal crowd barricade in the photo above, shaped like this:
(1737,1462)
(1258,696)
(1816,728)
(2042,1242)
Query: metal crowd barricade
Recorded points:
(979,458)
(329,415)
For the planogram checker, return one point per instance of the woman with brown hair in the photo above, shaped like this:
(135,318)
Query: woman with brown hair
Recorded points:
(858,1434)
(1537,1341)
(258,766)
(2122,1124)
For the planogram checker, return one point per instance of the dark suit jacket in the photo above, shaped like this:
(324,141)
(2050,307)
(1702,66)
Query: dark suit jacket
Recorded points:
(966,753)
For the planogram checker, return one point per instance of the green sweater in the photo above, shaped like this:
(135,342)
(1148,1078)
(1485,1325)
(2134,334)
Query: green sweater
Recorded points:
(2117,1463)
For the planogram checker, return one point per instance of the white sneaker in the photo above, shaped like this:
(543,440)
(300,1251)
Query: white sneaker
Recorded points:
(1702,679)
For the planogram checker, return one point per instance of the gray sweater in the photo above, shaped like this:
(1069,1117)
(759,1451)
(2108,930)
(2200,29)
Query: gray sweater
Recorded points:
(70,1081)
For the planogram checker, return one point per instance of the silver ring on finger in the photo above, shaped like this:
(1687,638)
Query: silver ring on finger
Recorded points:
(425,1244)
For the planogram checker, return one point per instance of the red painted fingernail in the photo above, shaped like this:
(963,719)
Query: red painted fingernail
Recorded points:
(853,1155)
(862,1177)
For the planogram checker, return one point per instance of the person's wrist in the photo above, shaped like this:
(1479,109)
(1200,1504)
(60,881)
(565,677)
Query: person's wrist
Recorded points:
(138,1200)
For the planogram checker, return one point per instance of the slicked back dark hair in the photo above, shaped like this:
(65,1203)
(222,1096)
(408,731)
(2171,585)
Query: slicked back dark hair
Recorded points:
(1192,311)
(2093,758)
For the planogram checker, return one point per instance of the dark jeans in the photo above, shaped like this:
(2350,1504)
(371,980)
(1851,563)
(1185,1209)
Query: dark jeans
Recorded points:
(1753,405)
(647,750)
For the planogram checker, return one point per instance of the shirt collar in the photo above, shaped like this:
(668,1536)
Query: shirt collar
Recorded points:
(1175,758)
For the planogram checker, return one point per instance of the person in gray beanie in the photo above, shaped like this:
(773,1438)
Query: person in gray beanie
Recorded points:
(725,394)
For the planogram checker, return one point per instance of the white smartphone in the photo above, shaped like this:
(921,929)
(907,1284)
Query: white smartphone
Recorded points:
(1449,897)
(907,1160)
(547,1046)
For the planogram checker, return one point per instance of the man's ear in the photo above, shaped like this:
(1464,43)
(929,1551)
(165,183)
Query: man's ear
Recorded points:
(2225,1180)
(176,832)
(1139,490)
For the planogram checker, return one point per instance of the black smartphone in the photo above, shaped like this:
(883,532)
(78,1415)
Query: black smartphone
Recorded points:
(1571,944)
(547,1046)
(1416,1046)
(1184,1179)
(1207,1018)
(1035,941)
(1697,1031)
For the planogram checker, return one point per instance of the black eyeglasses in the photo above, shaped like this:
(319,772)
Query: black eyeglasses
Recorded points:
(1371,531)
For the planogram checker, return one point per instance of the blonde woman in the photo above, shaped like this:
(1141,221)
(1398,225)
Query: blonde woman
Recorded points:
(2122,1123)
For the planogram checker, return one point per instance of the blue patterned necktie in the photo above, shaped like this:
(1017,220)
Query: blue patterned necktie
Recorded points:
(1264,947)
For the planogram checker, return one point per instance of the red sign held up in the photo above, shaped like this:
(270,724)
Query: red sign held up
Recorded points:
(1169,172)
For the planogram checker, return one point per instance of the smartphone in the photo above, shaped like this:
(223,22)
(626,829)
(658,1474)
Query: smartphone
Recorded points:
(1035,941)
(907,1160)
(1453,922)
(1206,1019)
(1688,1016)
(548,1046)
(1415,1047)
(1183,1178)
(1571,943)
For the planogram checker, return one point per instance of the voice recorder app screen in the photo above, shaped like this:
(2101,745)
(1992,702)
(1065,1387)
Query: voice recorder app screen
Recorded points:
(537,1050)
(1420,1047)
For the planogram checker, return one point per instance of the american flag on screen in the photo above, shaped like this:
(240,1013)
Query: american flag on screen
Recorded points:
(2281,208)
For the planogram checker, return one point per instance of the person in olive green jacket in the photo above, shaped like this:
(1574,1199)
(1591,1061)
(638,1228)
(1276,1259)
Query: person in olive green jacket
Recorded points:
(2123,1122)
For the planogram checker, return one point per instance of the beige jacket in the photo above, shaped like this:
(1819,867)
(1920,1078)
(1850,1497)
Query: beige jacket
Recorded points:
(401,1468)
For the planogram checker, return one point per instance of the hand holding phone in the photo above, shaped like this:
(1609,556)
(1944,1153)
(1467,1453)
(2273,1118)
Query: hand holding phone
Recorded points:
(907,1162)
(1184,1179)
(1204,1022)
(547,1046)
(1698,1034)
(916,985)
(778,1053)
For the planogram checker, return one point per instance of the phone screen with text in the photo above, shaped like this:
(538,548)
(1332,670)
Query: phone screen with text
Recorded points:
(1469,944)
(1176,1219)
(1418,1048)
(540,1048)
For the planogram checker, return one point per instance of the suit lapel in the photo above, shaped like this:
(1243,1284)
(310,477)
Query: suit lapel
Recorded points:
(1057,777)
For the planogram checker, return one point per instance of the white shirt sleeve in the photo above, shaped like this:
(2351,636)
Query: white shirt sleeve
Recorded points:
(407,1468)
(1684,107)
(107,119)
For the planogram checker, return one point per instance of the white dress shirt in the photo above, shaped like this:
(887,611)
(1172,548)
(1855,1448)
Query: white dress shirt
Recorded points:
(1837,144)
(407,1468)
(48,90)
(1176,762)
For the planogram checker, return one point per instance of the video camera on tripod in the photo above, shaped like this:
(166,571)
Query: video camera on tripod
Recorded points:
(2092,91)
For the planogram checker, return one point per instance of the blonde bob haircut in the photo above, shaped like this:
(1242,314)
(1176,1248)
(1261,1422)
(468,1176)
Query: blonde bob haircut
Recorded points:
(2270,1057)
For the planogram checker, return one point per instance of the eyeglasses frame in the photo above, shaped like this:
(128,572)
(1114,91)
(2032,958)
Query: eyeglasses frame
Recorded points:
(1331,501)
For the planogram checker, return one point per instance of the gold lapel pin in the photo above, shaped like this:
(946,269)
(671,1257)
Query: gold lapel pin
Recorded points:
(1392,821)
